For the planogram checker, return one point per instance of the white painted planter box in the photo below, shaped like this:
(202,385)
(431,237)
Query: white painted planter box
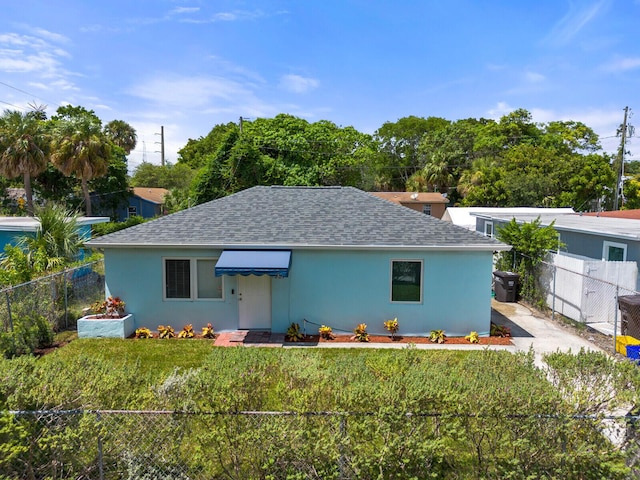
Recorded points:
(106,327)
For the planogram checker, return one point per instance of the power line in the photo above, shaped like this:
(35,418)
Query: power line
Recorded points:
(12,105)
(28,93)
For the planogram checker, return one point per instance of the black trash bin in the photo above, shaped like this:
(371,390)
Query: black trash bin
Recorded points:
(630,315)
(505,284)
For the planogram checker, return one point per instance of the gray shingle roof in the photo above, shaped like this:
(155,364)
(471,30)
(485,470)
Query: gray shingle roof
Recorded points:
(299,217)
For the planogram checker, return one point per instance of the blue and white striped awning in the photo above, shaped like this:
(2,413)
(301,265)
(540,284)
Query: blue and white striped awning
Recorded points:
(254,262)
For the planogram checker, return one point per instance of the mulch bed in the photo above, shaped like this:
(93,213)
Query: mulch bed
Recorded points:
(195,336)
(407,340)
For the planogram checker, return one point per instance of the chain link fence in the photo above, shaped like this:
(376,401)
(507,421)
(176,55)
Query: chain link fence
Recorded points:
(167,445)
(588,291)
(59,298)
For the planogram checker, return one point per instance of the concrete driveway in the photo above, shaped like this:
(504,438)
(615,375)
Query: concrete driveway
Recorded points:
(529,331)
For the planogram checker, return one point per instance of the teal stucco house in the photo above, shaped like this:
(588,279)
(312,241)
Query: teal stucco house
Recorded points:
(269,256)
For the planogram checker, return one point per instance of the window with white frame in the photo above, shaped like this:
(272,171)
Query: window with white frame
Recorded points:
(488,229)
(133,211)
(426,209)
(614,252)
(191,279)
(406,281)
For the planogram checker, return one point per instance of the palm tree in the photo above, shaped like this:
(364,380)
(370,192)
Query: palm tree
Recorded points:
(57,241)
(80,148)
(23,148)
(437,174)
(121,134)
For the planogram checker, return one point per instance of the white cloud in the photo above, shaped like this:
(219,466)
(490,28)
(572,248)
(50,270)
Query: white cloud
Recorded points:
(501,109)
(575,20)
(622,64)
(189,92)
(298,83)
(29,54)
(51,36)
(182,10)
(534,77)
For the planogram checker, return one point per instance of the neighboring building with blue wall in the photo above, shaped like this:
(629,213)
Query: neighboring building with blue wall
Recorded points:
(145,202)
(269,256)
(12,229)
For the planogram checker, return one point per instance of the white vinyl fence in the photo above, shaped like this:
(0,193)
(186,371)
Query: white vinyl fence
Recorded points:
(587,290)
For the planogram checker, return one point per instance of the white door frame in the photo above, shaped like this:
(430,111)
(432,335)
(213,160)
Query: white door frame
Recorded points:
(254,302)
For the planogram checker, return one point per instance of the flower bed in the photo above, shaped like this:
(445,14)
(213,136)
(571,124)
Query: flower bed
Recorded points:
(408,339)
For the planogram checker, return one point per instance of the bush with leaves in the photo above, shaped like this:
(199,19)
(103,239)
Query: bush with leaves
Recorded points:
(472,337)
(326,333)
(186,332)
(143,332)
(531,242)
(28,334)
(360,333)
(437,336)
(392,326)
(100,229)
(166,332)
(293,333)
(207,332)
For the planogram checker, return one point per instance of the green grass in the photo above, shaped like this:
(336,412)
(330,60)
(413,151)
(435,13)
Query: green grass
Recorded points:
(151,355)
(494,409)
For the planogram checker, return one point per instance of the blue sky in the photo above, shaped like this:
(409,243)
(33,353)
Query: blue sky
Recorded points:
(190,64)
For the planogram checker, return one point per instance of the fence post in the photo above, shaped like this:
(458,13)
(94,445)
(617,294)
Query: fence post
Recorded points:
(100,461)
(553,300)
(66,301)
(343,434)
(615,318)
(6,293)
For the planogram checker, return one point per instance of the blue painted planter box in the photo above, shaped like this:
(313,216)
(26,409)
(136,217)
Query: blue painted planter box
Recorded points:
(106,327)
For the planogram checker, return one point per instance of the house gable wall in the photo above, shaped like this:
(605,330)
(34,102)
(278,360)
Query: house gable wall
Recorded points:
(437,209)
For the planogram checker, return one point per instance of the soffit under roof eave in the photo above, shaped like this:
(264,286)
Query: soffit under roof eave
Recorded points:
(242,246)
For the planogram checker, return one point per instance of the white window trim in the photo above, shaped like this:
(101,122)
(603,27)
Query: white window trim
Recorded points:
(418,260)
(426,209)
(486,224)
(193,274)
(605,249)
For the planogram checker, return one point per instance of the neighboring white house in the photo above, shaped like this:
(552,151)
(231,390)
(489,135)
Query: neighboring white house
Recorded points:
(466,216)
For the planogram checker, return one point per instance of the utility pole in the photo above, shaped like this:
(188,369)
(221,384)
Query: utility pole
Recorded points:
(161,142)
(620,183)
(241,125)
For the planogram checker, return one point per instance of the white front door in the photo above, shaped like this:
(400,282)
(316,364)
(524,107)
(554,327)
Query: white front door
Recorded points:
(254,302)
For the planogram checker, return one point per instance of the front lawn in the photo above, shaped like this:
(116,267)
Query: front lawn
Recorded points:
(357,413)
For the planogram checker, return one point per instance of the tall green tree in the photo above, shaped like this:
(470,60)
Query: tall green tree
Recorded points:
(80,148)
(400,156)
(23,148)
(167,176)
(196,152)
(121,134)
(531,242)
(111,190)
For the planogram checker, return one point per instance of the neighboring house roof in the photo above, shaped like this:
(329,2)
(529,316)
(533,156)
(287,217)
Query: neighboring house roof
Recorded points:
(31,224)
(604,226)
(412,197)
(631,214)
(151,194)
(466,216)
(301,217)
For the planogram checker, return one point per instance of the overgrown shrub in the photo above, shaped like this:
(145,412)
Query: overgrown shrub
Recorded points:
(100,229)
(28,334)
